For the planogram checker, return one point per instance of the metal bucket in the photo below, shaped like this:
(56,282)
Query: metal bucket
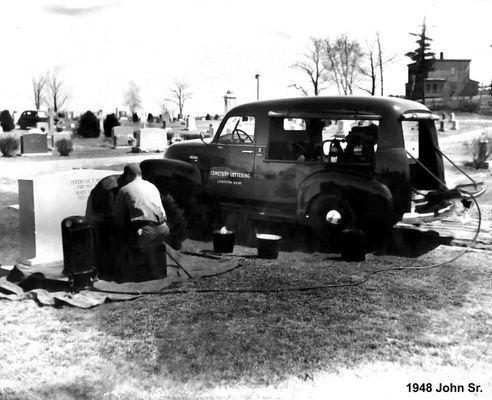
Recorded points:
(224,241)
(353,245)
(268,245)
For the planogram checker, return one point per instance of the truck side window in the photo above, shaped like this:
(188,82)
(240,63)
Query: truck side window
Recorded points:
(411,137)
(296,139)
(238,130)
(287,138)
(361,144)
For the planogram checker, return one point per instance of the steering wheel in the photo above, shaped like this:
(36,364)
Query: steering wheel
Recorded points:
(238,131)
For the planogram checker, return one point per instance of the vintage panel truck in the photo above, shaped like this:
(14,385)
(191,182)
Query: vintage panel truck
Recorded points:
(326,162)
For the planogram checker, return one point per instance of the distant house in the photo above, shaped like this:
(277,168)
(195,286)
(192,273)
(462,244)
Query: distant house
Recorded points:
(449,78)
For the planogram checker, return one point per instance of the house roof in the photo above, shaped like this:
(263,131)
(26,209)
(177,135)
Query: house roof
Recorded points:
(464,60)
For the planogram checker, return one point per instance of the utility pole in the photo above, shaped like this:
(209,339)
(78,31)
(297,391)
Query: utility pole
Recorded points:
(257,77)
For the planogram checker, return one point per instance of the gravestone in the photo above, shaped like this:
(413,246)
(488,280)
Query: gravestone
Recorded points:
(34,143)
(43,126)
(152,139)
(121,135)
(166,119)
(51,120)
(341,127)
(191,123)
(100,117)
(44,201)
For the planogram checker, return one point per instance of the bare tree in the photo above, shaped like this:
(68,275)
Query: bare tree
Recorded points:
(374,69)
(312,65)
(38,85)
(371,70)
(380,61)
(179,94)
(132,98)
(57,92)
(343,61)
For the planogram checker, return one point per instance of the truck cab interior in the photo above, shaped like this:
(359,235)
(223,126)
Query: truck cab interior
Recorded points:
(319,139)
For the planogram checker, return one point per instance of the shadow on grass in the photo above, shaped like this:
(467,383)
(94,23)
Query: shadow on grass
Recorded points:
(407,242)
(399,241)
(230,338)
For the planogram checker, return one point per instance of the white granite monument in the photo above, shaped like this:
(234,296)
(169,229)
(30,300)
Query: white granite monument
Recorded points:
(152,139)
(44,201)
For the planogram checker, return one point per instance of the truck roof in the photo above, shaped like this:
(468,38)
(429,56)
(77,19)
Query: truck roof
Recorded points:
(350,104)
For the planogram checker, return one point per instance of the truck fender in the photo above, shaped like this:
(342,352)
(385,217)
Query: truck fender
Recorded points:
(370,200)
(171,169)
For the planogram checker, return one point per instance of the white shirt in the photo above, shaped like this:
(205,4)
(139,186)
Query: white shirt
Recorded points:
(138,200)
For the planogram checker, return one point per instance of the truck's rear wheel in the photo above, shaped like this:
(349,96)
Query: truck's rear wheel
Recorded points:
(329,215)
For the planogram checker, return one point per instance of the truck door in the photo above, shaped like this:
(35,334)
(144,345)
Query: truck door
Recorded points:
(232,164)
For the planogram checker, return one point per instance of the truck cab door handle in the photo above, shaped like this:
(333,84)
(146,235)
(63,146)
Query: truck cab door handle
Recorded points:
(248,151)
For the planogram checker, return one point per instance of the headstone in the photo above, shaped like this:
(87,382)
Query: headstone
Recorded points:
(34,143)
(441,126)
(43,126)
(121,135)
(341,127)
(51,119)
(152,139)
(191,123)
(452,117)
(166,118)
(41,210)
(101,124)
(455,125)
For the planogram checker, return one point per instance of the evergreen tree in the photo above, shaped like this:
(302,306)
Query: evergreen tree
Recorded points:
(424,60)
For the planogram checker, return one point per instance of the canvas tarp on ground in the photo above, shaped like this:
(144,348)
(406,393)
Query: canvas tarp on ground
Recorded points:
(49,290)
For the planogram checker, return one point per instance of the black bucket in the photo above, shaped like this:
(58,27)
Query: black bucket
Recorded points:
(353,245)
(83,279)
(224,241)
(268,245)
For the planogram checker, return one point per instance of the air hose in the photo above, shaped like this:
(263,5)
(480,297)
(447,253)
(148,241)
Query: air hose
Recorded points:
(360,282)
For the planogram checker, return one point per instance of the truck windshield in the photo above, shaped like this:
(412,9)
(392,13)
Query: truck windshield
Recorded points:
(238,129)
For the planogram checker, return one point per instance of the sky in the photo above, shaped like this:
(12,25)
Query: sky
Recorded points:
(99,46)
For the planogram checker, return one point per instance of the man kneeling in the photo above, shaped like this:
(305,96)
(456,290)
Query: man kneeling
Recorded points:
(140,228)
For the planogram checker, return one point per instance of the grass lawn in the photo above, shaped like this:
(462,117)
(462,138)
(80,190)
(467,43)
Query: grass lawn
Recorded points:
(433,323)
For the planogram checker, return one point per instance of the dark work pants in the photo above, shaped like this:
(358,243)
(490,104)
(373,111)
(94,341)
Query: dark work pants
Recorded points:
(143,255)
